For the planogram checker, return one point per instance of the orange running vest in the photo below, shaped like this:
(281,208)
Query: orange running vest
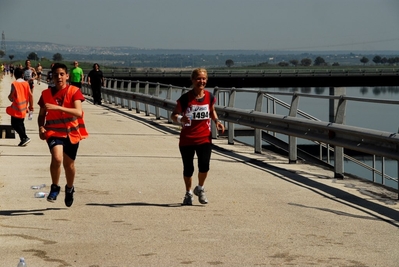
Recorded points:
(61,124)
(20,101)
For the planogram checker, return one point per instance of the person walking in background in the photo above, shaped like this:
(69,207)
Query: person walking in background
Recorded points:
(96,79)
(76,75)
(12,68)
(195,110)
(61,124)
(7,67)
(49,78)
(39,69)
(22,100)
(29,74)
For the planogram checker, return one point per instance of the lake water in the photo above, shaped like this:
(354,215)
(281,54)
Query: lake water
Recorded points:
(383,117)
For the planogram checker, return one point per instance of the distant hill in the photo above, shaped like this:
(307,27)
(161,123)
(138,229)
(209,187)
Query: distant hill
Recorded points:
(136,57)
(27,47)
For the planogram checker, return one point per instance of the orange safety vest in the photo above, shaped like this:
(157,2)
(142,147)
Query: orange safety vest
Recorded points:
(61,124)
(20,101)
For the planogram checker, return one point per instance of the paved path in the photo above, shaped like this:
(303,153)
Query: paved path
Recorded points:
(261,212)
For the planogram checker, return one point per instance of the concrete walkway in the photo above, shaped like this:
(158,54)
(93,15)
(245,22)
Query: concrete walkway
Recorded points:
(261,212)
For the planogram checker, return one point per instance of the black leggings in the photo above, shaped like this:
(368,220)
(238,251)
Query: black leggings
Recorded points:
(203,152)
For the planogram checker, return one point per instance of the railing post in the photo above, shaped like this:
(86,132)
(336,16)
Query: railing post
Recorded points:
(214,131)
(129,102)
(397,163)
(115,87)
(258,132)
(85,85)
(157,109)
(292,140)
(137,102)
(107,85)
(169,97)
(337,112)
(146,92)
(230,125)
(123,100)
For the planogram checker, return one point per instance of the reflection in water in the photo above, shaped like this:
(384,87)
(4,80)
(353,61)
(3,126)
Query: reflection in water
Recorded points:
(364,90)
(306,90)
(377,91)
(319,90)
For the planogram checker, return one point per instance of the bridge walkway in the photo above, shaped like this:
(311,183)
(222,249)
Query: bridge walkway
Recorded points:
(262,211)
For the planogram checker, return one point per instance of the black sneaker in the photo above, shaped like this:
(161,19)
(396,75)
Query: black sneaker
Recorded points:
(24,141)
(69,195)
(54,191)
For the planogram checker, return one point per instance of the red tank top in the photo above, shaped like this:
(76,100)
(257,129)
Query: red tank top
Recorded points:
(199,130)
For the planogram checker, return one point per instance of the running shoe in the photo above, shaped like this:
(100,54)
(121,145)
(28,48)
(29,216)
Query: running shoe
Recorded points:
(54,191)
(24,141)
(201,195)
(69,195)
(188,199)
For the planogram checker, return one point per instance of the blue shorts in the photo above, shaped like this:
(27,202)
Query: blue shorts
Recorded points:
(68,148)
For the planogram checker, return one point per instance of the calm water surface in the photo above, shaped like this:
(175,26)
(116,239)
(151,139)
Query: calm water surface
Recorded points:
(383,117)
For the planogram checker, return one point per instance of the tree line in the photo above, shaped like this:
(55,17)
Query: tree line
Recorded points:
(319,61)
(209,60)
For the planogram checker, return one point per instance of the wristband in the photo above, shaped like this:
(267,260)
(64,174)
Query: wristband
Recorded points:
(179,118)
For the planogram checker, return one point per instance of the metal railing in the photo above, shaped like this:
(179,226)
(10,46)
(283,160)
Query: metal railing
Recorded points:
(135,94)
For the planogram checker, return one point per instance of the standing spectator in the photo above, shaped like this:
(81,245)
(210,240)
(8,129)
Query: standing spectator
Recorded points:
(39,69)
(2,68)
(20,96)
(49,78)
(7,68)
(29,74)
(76,75)
(61,124)
(195,110)
(96,80)
(12,68)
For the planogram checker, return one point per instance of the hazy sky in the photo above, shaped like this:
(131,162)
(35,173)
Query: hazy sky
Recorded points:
(309,25)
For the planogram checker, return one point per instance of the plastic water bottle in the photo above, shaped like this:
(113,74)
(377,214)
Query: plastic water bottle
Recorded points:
(22,263)
(40,186)
(40,194)
(30,116)
(190,116)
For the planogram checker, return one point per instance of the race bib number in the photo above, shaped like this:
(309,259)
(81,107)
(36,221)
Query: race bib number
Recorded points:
(199,112)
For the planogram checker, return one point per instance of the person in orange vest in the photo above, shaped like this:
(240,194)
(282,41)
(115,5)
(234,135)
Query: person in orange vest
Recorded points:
(61,124)
(22,100)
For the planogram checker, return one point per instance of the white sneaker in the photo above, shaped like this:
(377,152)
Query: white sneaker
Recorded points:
(201,195)
(188,199)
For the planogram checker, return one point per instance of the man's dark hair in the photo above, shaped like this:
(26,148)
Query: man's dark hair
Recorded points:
(18,73)
(59,66)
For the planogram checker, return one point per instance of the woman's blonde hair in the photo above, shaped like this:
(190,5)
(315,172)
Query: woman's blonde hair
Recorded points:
(197,71)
